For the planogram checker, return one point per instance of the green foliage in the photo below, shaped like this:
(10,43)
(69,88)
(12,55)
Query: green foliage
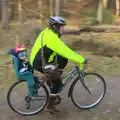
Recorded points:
(94,22)
(108,16)
(90,16)
(65,14)
(90,12)
(111,4)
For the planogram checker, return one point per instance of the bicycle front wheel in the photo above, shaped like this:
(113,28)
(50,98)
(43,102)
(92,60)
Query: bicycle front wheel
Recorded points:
(92,95)
(21,103)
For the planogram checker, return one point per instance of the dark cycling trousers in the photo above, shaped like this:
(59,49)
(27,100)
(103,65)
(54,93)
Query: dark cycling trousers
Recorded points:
(55,84)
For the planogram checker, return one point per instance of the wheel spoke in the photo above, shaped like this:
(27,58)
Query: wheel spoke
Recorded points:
(90,92)
(23,104)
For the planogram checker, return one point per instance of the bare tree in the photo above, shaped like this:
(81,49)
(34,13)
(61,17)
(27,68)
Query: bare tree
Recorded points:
(105,2)
(57,7)
(117,7)
(5,14)
(100,11)
(65,1)
(20,21)
(51,7)
(20,11)
(41,9)
(0,11)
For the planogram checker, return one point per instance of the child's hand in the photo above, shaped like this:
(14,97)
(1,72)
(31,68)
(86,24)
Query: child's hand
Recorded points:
(9,63)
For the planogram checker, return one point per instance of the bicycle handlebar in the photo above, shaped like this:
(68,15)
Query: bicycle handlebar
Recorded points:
(85,66)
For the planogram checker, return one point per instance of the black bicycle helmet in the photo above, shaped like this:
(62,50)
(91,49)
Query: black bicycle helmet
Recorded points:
(55,22)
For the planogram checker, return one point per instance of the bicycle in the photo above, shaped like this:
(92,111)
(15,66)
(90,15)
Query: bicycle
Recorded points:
(80,77)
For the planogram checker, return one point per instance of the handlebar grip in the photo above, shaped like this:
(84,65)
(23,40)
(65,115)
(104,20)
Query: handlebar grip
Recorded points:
(86,61)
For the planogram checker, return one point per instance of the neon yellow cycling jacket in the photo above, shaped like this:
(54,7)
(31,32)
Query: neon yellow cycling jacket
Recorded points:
(53,42)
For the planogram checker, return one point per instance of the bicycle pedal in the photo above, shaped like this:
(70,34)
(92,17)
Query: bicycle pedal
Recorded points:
(27,99)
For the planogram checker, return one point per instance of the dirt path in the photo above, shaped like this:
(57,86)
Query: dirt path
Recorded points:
(109,109)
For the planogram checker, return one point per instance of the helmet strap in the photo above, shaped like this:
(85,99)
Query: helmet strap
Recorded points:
(56,29)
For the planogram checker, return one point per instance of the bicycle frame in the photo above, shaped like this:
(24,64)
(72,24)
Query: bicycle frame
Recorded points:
(72,73)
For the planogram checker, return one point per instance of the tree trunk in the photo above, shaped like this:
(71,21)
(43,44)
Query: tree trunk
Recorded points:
(5,14)
(91,29)
(105,2)
(117,7)
(65,1)
(57,7)
(51,7)
(20,11)
(41,10)
(0,12)
(100,11)
(20,23)
(13,9)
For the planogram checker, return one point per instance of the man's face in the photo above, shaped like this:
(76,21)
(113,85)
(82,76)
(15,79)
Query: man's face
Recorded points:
(61,30)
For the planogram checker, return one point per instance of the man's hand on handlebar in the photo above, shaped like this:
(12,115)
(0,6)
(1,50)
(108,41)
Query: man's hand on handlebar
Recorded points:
(83,65)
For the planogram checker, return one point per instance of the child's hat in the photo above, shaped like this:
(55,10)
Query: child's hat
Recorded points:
(19,48)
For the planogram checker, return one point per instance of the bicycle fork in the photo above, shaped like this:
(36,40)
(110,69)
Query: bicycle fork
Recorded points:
(81,76)
(83,82)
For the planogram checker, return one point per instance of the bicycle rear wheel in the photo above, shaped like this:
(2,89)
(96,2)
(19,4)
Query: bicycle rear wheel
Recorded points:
(21,103)
(88,99)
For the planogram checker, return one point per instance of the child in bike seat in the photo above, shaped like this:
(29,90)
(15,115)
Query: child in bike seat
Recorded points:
(23,69)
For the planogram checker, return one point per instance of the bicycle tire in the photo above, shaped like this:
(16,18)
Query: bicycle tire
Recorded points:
(98,101)
(22,113)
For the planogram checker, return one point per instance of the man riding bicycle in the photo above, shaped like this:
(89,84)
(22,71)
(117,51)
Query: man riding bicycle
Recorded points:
(49,50)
